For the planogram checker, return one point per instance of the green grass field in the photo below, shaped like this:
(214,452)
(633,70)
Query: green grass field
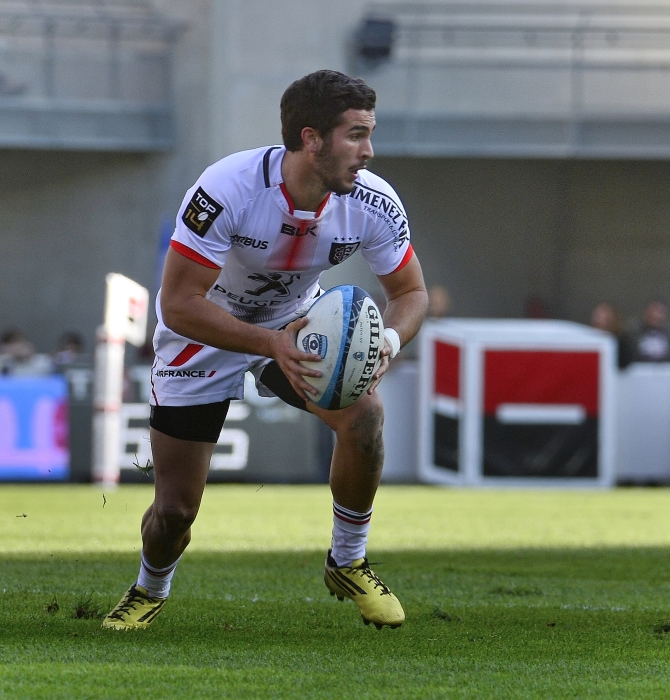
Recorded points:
(508,594)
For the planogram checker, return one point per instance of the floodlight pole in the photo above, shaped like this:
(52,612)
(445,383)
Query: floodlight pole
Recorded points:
(126,309)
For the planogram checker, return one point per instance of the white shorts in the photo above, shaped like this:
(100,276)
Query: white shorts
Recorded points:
(185,373)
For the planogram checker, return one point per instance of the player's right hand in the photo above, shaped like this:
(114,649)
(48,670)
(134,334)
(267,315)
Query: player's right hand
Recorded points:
(284,351)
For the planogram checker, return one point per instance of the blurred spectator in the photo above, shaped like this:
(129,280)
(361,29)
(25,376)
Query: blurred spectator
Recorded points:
(653,343)
(535,307)
(606,317)
(18,356)
(439,302)
(69,350)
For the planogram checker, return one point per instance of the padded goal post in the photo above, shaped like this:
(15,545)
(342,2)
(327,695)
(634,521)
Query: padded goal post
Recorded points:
(126,311)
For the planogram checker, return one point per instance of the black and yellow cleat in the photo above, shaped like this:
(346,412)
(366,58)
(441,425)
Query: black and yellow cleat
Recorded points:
(373,597)
(135,611)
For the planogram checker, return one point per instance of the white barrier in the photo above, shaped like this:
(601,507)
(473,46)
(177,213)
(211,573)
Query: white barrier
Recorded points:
(399,390)
(640,439)
(643,424)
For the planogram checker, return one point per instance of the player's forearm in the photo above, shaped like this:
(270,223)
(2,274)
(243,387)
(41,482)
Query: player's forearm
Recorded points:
(405,314)
(201,320)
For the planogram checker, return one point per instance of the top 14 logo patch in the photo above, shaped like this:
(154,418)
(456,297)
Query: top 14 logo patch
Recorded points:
(201,212)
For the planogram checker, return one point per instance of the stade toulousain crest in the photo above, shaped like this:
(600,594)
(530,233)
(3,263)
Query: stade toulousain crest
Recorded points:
(339,252)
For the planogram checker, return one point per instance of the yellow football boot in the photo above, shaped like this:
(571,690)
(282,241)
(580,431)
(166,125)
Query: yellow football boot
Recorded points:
(373,597)
(135,611)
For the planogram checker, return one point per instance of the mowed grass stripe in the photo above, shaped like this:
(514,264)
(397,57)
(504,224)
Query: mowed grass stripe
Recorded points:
(262,624)
(493,610)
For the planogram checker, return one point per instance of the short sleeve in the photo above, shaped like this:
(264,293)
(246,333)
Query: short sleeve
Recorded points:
(387,247)
(205,220)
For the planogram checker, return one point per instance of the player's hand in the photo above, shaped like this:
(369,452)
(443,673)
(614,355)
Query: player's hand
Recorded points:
(285,353)
(385,353)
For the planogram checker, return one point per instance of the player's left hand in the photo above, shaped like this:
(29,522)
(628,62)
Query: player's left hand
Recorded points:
(377,377)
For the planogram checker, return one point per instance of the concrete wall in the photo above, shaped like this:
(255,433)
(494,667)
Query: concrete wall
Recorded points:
(258,49)
(68,218)
(497,232)
(582,79)
(494,231)
(503,230)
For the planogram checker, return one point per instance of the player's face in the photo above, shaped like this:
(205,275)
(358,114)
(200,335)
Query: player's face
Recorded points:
(345,151)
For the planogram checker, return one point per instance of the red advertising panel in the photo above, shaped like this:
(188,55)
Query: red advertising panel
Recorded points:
(541,377)
(446,416)
(447,369)
(541,411)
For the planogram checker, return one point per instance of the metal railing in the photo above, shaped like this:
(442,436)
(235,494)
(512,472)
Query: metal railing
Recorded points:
(563,67)
(85,75)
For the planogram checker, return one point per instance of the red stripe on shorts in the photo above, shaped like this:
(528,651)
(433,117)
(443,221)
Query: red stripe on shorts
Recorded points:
(186,354)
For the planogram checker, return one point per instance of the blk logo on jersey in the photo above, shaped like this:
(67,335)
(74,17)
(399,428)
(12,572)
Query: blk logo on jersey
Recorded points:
(339,252)
(201,212)
(303,230)
(295,245)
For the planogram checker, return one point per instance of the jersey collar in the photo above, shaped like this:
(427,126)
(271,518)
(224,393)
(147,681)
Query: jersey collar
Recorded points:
(289,201)
(275,178)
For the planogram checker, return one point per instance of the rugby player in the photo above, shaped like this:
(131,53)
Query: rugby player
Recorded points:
(252,237)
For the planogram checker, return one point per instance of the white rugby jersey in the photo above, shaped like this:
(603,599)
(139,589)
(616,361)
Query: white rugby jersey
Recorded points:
(239,218)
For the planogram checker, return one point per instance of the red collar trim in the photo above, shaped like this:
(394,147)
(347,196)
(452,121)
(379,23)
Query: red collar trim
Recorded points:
(287,197)
(322,206)
(291,207)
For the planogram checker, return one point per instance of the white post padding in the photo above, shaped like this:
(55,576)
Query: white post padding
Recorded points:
(126,311)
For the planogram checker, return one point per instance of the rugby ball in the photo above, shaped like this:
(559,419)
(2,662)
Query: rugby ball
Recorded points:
(345,329)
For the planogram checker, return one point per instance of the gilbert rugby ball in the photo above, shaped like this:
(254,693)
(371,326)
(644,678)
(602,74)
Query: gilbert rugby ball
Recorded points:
(345,329)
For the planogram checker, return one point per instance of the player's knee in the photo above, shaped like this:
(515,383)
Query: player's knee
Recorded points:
(365,428)
(175,519)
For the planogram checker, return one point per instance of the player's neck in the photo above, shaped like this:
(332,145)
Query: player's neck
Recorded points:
(306,190)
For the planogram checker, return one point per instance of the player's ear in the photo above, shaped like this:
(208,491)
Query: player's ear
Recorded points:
(311,139)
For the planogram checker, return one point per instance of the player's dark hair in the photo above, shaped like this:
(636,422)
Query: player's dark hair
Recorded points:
(318,100)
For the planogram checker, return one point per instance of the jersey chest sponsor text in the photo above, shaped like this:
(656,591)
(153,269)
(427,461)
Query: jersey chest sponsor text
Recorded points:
(248,242)
(293,247)
(379,201)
